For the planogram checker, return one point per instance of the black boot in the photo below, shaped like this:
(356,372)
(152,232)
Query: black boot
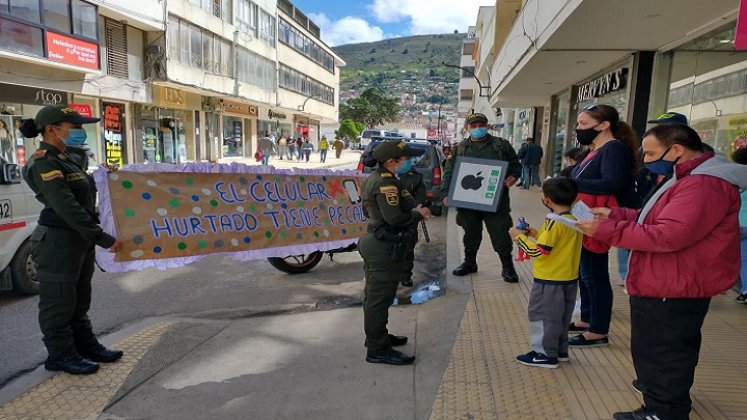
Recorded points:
(509,272)
(465,268)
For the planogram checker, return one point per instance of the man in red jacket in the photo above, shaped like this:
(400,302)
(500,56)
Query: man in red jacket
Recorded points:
(685,249)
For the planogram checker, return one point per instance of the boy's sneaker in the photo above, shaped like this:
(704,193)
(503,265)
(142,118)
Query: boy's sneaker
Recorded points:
(537,359)
(581,341)
(563,357)
(742,298)
(642,413)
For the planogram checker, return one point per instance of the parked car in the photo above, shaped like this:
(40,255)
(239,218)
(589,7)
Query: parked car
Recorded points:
(430,164)
(19,211)
(368,134)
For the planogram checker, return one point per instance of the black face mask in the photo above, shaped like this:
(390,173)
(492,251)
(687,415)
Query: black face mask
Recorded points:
(585,136)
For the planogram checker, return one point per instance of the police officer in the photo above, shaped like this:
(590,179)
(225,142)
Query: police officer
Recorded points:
(63,243)
(480,144)
(412,182)
(390,218)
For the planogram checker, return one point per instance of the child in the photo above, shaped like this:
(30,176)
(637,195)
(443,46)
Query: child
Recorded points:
(557,253)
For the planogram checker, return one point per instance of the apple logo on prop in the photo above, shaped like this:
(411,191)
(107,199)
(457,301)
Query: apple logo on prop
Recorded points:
(472,182)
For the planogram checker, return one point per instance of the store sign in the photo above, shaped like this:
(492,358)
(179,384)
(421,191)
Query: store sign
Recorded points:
(31,95)
(170,98)
(740,36)
(65,49)
(272,114)
(239,108)
(114,130)
(610,82)
(82,109)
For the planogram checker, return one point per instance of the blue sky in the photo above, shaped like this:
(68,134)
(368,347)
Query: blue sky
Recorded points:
(351,21)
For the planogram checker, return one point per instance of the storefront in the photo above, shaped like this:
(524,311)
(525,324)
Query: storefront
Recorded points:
(280,123)
(523,126)
(167,129)
(16,103)
(237,121)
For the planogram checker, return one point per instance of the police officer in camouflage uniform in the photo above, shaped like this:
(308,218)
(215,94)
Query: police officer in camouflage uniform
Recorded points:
(388,208)
(412,182)
(63,243)
(482,145)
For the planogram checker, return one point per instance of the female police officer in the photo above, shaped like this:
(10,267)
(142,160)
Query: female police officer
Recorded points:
(63,242)
(383,249)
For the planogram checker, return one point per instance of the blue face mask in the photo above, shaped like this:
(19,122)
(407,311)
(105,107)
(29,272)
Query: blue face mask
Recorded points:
(405,168)
(479,132)
(661,166)
(76,138)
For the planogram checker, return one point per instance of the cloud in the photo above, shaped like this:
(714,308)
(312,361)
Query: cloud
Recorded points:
(429,16)
(347,30)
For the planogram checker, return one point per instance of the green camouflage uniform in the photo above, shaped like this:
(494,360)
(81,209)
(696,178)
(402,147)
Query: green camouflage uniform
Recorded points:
(62,246)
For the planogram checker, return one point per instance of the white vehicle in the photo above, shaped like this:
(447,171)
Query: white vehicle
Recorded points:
(19,211)
(367,135)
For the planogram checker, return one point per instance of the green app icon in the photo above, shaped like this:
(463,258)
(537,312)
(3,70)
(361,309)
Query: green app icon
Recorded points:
(489,195)
(495,172)
(491,187)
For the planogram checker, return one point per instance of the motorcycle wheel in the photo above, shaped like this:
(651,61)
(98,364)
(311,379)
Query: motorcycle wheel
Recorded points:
(296,264)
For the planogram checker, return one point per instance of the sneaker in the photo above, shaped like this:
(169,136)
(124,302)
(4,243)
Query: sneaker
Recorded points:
(572,327)
(742,298)
(537,359)
(637,386)
(642,413)
(581,341)
(563,357)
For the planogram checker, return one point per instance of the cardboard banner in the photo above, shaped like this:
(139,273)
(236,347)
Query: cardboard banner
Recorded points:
(171,215)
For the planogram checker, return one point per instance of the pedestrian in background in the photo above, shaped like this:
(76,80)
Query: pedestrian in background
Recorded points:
(307,149)
(412,182)
(530,155)
(323,148)
(338,145)
(291,148)
(390,220)
(268,148)
(556,251)
(740,156)
(299,148)
(603,177)
(6,143)
(63,243)
(571,157)
(684,250)
(282,146)
(480,144)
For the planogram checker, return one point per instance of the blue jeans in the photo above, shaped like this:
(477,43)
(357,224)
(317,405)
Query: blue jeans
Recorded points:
(322,155)
(299,152)
(623,255)
(743,270)
(530,176)
(266,158)
(596,292)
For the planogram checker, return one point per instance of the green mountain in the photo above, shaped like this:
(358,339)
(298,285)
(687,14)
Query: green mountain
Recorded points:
(406,65)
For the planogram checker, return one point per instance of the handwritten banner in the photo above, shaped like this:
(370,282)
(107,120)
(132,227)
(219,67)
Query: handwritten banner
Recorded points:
(171,215)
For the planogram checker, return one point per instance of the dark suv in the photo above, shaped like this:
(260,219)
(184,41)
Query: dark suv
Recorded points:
(430,164)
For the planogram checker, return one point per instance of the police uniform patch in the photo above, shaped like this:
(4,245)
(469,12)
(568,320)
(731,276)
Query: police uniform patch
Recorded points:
(74,176)
(391,193)
(386,175)
(51,175)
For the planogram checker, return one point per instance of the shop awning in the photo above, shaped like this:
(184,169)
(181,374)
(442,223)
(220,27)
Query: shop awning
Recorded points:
(561,43)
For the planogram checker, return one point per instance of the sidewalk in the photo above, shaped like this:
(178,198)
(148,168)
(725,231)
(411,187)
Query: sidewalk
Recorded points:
(483,381)
(348,158)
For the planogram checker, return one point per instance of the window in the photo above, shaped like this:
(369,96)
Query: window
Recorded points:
(57,15)
(4,6)
(208,59)
(293,38)
(195,41)
(246,16)
(465,95)
(84,19)
(468,48)
(196,48)
(173,38)
(28,10)
(184,32)
(468,71)
(293,80)
(20,38)
(226,58)
(267,28)
(256,70)
(116,48)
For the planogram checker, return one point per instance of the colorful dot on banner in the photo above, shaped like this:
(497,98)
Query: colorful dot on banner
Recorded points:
(268,234)
(219,243)
(324,178)
(157,250)
(247,239)
(114,176)
(289,179)
(344,232)
(341,201)
(129,212)
(300,203)
(146,196)
(206,191)
(202,244)
(174,190)
(285,206)
(136,254)
(283,234)
(243,191)
(240,209)
(196,210)
(302,178)
(181,246)
(189,181)
(277,179)
(253,207)
(326,222)
(322,206)
(234,242)
(137,240)
(127,184)
(270,206)
(214,203)
(162,212)
(326,233)
(174,203)
(243,181)
(151,183)
(259,177)
(316,234)
(195,198)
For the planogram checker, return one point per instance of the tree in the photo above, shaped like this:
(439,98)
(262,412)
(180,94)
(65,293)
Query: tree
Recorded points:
(350,129)
(371,108)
